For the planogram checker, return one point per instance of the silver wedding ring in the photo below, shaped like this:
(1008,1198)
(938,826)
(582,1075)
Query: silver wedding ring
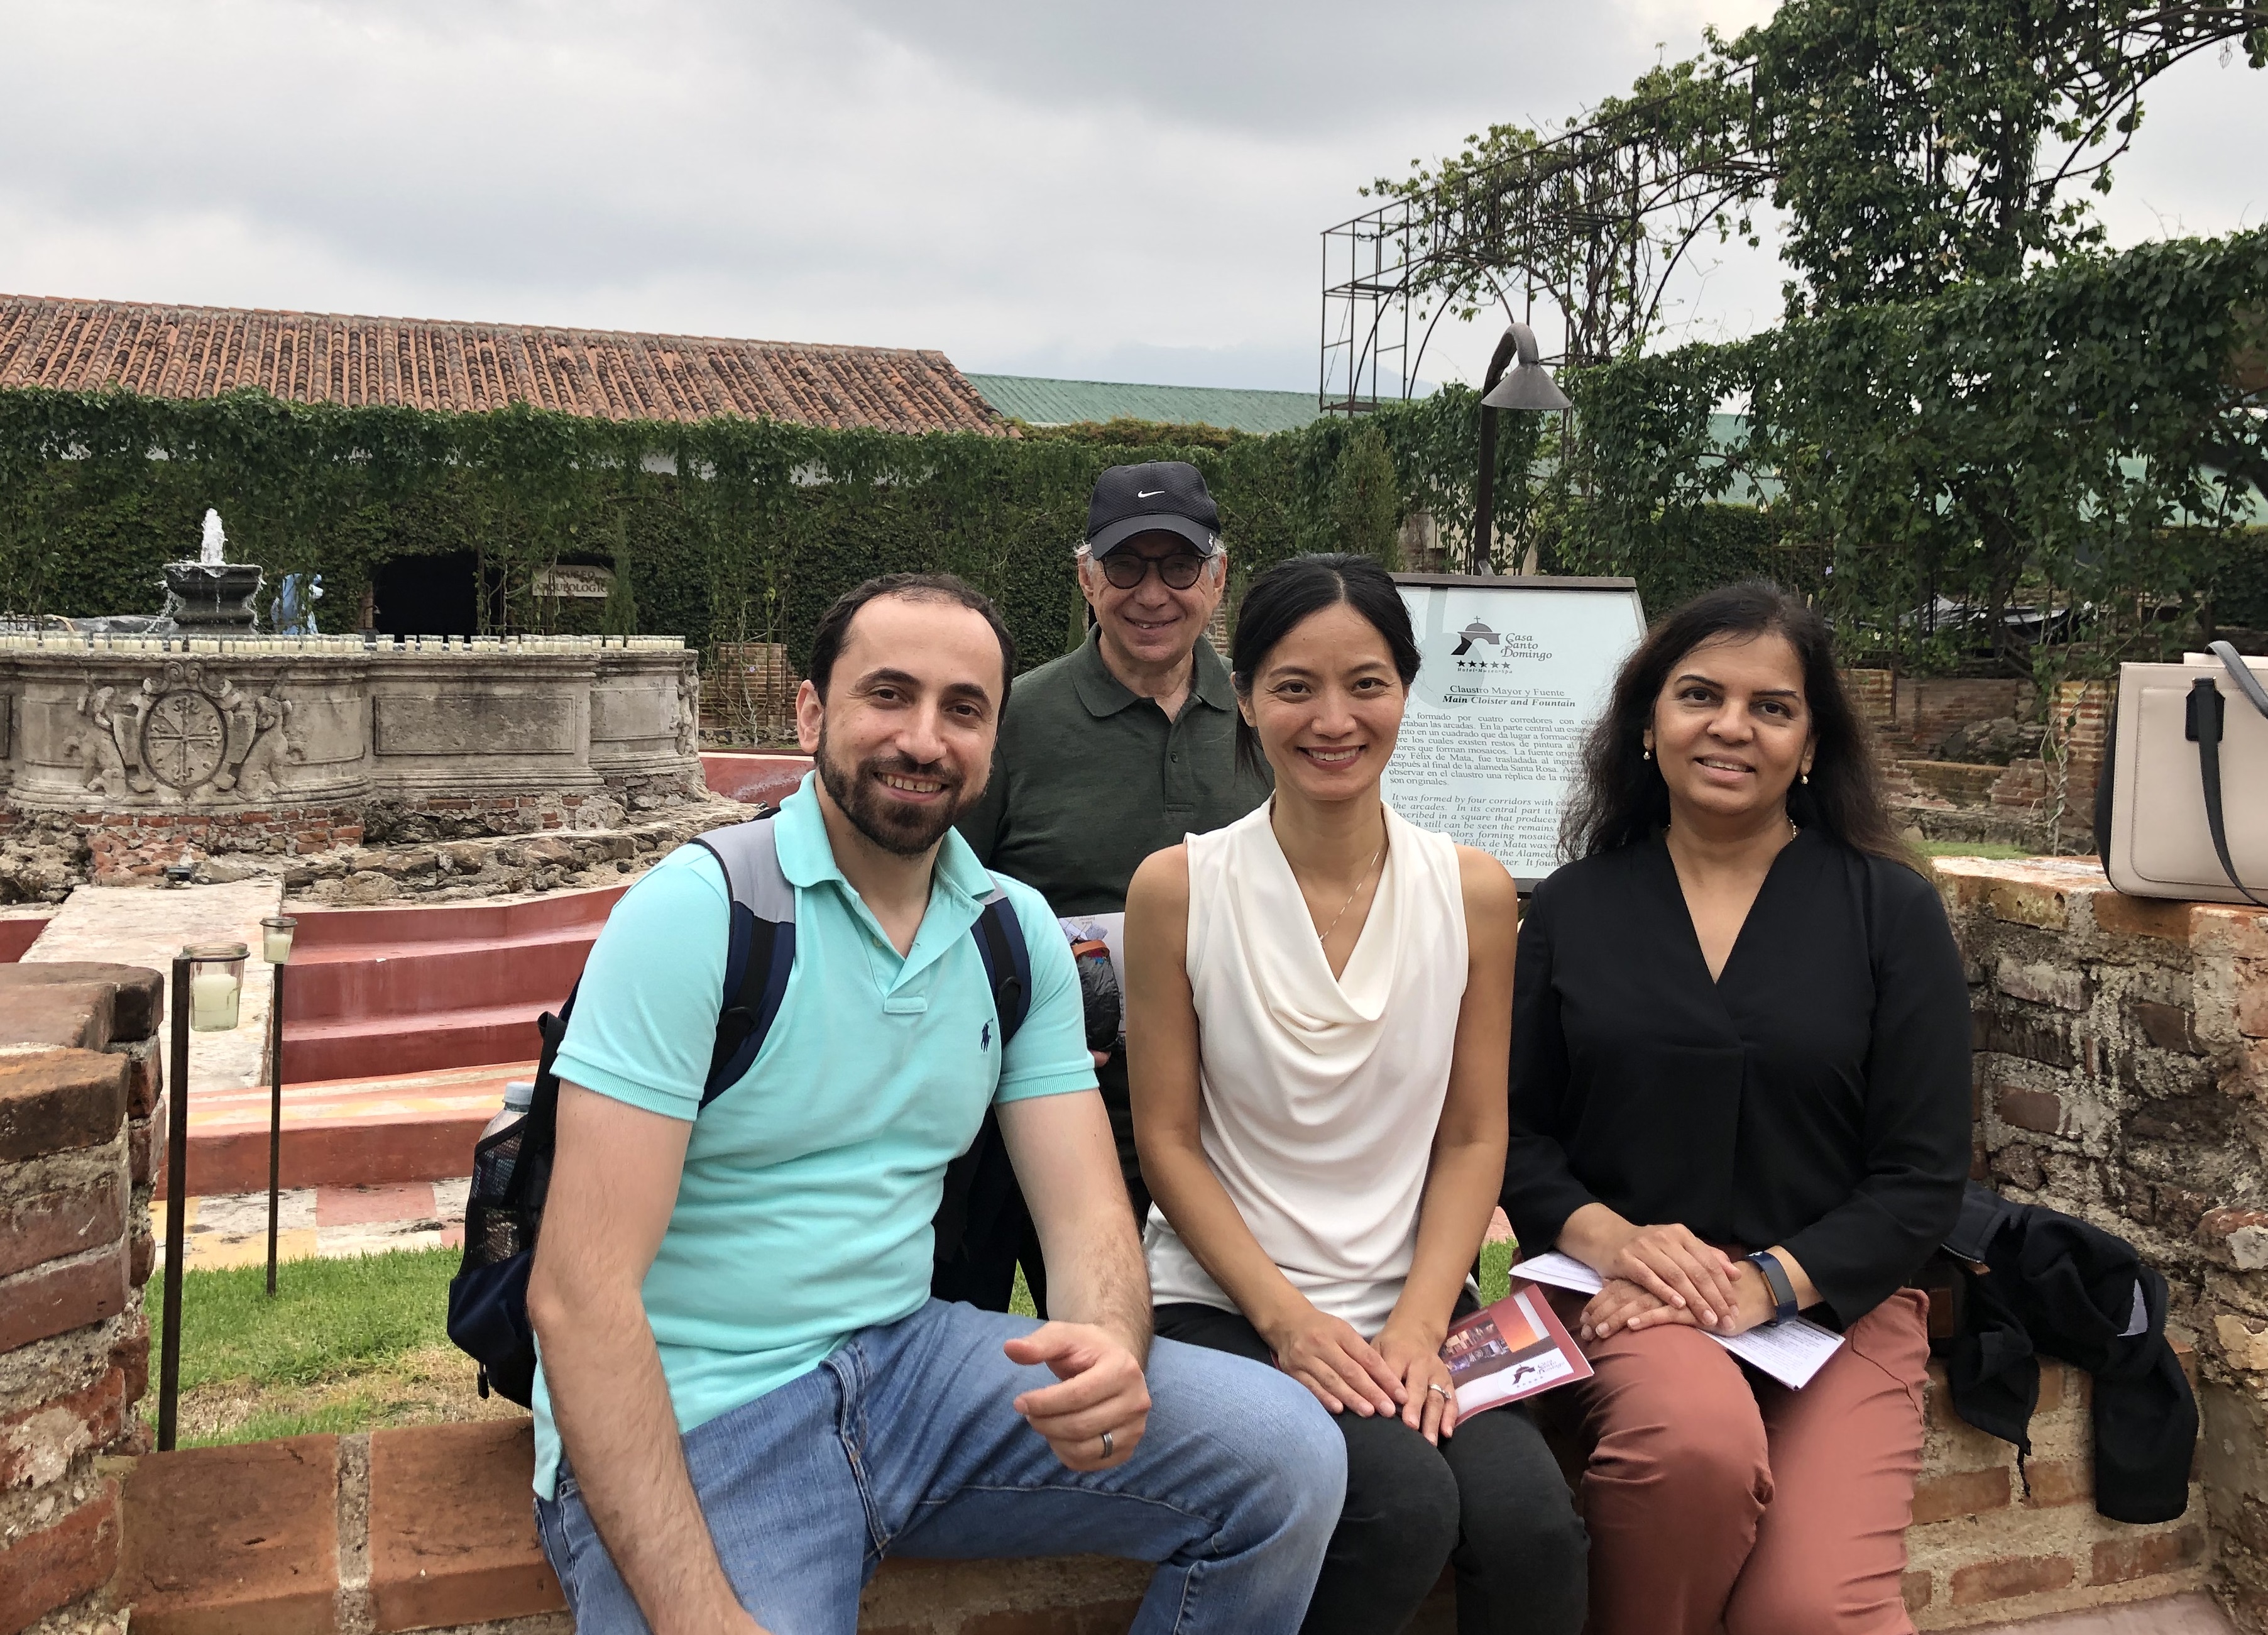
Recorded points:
(1439,1392)
(1109,1448)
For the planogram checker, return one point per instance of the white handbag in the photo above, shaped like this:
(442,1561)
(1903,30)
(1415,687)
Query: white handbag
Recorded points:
(2185,780)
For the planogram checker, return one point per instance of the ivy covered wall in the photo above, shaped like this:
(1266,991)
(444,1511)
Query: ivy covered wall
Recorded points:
(730,530)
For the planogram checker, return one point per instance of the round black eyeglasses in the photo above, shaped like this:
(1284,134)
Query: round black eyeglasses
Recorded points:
(1125,571)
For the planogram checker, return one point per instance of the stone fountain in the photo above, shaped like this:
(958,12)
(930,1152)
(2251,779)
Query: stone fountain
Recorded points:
(212,595)
(196,729)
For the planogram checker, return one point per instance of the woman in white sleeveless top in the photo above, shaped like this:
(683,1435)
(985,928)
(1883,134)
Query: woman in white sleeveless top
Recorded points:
(1318,1019)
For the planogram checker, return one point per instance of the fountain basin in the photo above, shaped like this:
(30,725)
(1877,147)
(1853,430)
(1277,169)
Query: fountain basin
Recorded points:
(212,598)
(286,743)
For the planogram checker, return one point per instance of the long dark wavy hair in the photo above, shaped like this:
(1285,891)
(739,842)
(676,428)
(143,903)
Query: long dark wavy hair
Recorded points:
(1623,798)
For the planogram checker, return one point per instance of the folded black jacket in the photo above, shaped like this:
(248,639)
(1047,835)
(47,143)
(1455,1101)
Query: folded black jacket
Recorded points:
(2059,1287)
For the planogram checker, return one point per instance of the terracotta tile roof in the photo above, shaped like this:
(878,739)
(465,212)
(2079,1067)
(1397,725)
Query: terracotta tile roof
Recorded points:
(328,357)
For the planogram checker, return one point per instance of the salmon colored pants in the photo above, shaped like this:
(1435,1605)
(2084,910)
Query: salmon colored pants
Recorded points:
(1716,1502)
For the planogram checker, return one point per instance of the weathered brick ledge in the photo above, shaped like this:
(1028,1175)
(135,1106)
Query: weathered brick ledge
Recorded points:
(430,1528)
(2122,1076)
(79,1116)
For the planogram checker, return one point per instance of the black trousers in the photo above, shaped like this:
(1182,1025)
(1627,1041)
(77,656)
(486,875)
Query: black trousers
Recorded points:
(1489,1500)
(998,1235)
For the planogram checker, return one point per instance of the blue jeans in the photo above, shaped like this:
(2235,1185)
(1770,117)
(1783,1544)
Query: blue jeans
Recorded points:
(903,1443)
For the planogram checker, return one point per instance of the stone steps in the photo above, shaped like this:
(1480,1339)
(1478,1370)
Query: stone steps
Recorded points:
(409,990)
(346,1132)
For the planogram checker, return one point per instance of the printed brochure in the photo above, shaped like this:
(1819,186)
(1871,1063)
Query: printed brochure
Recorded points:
(1512,1349)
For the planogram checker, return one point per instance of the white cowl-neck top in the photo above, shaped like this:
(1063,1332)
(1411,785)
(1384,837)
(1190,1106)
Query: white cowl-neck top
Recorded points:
(1319,1097)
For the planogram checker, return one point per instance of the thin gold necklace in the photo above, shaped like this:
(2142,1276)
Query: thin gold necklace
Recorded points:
(1325,934)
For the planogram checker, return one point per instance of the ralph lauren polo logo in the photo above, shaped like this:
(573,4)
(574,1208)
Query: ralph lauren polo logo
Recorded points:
(984,1037)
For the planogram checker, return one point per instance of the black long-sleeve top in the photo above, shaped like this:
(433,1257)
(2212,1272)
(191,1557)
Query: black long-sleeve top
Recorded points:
(1816,1096)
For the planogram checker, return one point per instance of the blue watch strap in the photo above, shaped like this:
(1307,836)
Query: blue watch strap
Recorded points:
(1775,1279)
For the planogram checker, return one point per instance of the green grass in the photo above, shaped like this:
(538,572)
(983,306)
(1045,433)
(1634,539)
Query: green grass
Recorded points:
(327,1317)
(343,1345)
(1994,850)
(1496,1271)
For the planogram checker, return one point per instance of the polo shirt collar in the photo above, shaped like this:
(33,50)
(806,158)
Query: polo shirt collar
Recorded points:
(806,856)
(1105,694)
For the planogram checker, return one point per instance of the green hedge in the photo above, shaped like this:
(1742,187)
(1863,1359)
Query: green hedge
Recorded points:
(98,490)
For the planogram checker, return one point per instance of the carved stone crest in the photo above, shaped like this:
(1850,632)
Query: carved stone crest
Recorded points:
(187,728)
(184,740)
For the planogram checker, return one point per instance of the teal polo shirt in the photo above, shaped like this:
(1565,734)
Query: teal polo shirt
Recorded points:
(804,1213)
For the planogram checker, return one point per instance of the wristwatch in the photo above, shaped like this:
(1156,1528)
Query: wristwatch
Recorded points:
(1783,1292)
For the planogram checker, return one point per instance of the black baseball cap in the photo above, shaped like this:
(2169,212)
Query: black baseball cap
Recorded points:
(1160,496)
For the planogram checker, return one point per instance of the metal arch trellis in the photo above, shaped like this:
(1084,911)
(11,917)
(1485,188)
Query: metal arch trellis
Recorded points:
(1597,220)
(1594,221)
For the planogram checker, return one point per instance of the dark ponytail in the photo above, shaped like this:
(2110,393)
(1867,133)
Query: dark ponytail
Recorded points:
(1279,599)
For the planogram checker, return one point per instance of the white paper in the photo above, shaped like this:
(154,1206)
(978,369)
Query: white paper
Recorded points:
(1790,1351)
(1109,930)
(1561,1271)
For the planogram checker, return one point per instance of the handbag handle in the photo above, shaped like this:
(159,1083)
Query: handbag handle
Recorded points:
(2206,710)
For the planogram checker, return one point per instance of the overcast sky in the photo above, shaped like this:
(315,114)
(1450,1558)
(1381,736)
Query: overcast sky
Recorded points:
(1040,186)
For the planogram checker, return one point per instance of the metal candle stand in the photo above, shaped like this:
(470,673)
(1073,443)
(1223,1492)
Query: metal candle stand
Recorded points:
(202,1004)
(275,945)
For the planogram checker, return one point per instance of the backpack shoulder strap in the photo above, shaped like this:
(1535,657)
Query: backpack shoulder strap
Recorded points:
(531,1179)
(1007,962)
(761,953)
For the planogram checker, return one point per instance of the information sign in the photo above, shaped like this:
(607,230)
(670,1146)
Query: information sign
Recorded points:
(1515,670)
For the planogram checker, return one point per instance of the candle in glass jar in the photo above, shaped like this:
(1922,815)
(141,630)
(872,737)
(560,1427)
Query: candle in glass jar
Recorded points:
(212,1002)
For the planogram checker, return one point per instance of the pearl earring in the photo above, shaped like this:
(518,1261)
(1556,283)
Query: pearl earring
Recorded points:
(1646,754)
(1806,778)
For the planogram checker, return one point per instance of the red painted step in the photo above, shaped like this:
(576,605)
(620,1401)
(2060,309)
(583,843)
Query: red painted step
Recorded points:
(375,991)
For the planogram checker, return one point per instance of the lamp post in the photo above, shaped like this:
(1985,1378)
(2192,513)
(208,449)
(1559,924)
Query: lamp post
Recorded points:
(276,947)
(1528,386)
(208,981)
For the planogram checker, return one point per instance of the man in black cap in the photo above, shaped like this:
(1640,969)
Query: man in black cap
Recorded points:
(1114,751)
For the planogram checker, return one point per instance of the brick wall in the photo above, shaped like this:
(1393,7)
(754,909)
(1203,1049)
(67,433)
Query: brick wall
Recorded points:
(2122,1067)
(79,1080)
(748,695)
(1927,708)
(1984,1549)
(1911,716)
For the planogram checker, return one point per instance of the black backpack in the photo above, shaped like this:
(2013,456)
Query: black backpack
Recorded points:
(512,1169)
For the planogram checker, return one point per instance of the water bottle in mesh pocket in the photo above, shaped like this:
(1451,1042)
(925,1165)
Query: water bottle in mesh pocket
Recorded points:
(504,1210)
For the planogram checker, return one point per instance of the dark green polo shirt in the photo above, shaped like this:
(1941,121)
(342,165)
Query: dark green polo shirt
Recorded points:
(1089,778)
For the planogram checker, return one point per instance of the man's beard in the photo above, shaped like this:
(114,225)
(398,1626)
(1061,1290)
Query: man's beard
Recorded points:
(894,826)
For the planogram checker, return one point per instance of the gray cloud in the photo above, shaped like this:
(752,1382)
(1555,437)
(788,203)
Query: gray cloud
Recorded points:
(1053,188)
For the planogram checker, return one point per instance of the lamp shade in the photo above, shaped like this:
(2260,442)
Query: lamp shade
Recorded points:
(1528,386)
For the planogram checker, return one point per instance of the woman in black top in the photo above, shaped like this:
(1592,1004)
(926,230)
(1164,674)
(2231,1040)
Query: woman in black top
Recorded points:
(1740,1088)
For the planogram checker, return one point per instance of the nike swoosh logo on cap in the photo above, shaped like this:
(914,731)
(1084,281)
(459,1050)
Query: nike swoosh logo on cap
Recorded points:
(1148,493)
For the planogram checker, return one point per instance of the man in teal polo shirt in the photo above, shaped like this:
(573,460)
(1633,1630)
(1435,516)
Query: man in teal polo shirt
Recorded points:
(747,1397)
